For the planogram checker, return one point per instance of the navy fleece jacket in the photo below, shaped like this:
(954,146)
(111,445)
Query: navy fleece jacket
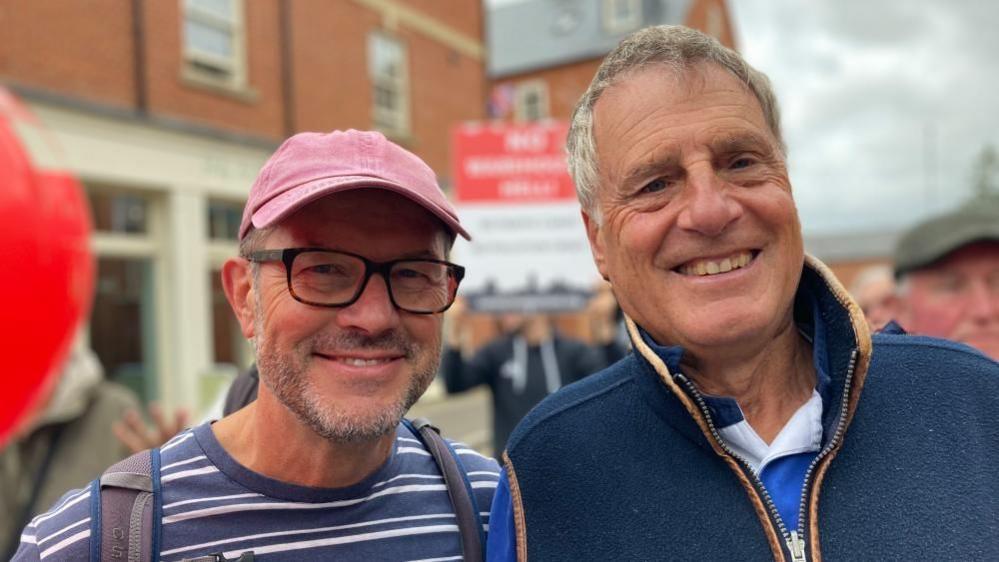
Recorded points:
(617,467)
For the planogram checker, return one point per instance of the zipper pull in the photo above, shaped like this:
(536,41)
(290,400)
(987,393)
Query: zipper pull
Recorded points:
(797,547)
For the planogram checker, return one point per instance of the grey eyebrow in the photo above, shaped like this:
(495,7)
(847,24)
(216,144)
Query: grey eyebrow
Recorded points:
(648,168)
(744,141)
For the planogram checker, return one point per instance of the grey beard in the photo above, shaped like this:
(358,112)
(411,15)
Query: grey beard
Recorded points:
(285,378)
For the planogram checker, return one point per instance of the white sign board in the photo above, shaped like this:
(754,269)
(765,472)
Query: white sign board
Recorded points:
(529,250)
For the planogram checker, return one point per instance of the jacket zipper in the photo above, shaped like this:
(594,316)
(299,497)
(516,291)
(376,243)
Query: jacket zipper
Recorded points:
(789,540)
(795,540)
(837,435)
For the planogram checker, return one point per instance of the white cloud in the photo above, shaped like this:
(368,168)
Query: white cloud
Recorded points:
(886,104)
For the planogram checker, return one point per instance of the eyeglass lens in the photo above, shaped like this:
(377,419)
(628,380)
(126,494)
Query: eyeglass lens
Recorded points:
(332,278)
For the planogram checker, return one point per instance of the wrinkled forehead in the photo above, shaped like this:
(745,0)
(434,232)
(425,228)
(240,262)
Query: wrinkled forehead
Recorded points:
(649,112)
(674,83)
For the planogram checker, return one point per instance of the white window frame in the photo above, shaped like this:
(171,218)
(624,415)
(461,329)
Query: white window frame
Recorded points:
(521,107)
(615,23)
(149,245)
(229,72)
(393,122)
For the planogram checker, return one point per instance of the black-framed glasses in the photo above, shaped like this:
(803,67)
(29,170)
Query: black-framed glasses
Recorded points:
(329,278)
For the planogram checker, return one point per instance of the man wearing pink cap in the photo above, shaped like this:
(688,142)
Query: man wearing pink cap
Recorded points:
(340,285)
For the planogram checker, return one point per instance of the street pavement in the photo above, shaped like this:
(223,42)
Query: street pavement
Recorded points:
(465,417)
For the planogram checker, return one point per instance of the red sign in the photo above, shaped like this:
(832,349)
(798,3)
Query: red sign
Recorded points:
(505,163)
(48,270)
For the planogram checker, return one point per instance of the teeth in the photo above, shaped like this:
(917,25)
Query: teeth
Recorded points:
(708,267)
(363,362)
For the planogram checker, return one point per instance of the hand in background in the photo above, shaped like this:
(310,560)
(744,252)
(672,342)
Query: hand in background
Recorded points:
(133,432)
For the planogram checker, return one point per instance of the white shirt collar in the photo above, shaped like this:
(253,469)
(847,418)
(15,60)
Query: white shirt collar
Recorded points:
(801,434)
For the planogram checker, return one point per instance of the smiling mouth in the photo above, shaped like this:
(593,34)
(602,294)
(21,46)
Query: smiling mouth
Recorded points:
(705,267)
(359,361)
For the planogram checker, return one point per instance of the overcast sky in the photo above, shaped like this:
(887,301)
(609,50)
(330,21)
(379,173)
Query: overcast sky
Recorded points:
(886,103)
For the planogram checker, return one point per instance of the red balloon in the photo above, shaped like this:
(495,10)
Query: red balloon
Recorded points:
(46,266)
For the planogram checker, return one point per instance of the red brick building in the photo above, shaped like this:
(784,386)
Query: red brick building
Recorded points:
(166,109)
(544,54)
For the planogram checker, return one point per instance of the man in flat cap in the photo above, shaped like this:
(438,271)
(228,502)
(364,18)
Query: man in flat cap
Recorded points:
(948,272)
(341,281)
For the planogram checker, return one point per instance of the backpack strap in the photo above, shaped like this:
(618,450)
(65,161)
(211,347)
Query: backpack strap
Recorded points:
(458,488)
(123,501)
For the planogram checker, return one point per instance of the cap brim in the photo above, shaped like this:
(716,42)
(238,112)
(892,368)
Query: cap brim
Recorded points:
(283,205)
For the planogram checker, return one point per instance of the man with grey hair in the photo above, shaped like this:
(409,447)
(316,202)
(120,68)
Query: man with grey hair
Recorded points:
(757,417)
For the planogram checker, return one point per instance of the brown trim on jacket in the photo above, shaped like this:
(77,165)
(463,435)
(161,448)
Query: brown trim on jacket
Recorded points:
(662,370)
(864,350)
(519,521)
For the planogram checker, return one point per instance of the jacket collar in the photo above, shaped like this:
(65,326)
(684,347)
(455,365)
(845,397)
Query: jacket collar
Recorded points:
(825,314)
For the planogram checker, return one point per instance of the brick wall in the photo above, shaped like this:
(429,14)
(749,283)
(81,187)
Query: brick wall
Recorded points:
(712,16)
(331,84)
(81,48)
(84,49)
(464,16)
(447,87)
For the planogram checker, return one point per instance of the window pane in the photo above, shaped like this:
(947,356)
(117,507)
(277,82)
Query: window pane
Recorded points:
(385,56)
(386,98)
(121,325)
(118,212)
(532,106)
(224,219)
(208,39)
(387,68)
(220,8)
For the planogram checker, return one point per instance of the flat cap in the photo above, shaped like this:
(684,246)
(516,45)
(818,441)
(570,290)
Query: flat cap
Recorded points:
(933,239)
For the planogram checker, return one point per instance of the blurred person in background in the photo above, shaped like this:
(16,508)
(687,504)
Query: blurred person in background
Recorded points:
(528,361)
(874,291)
(66,445)
(948,274)
(607,324)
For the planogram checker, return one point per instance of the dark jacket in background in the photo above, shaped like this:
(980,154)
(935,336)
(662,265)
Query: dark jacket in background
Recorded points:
(575,360)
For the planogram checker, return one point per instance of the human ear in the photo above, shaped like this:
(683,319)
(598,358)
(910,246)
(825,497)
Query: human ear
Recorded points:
(237,281)
(596,245)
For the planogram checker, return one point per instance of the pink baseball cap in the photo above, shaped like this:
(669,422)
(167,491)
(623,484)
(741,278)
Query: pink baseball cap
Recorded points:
(309,166)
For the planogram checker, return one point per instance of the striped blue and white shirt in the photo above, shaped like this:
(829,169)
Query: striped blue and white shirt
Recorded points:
(211,504)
